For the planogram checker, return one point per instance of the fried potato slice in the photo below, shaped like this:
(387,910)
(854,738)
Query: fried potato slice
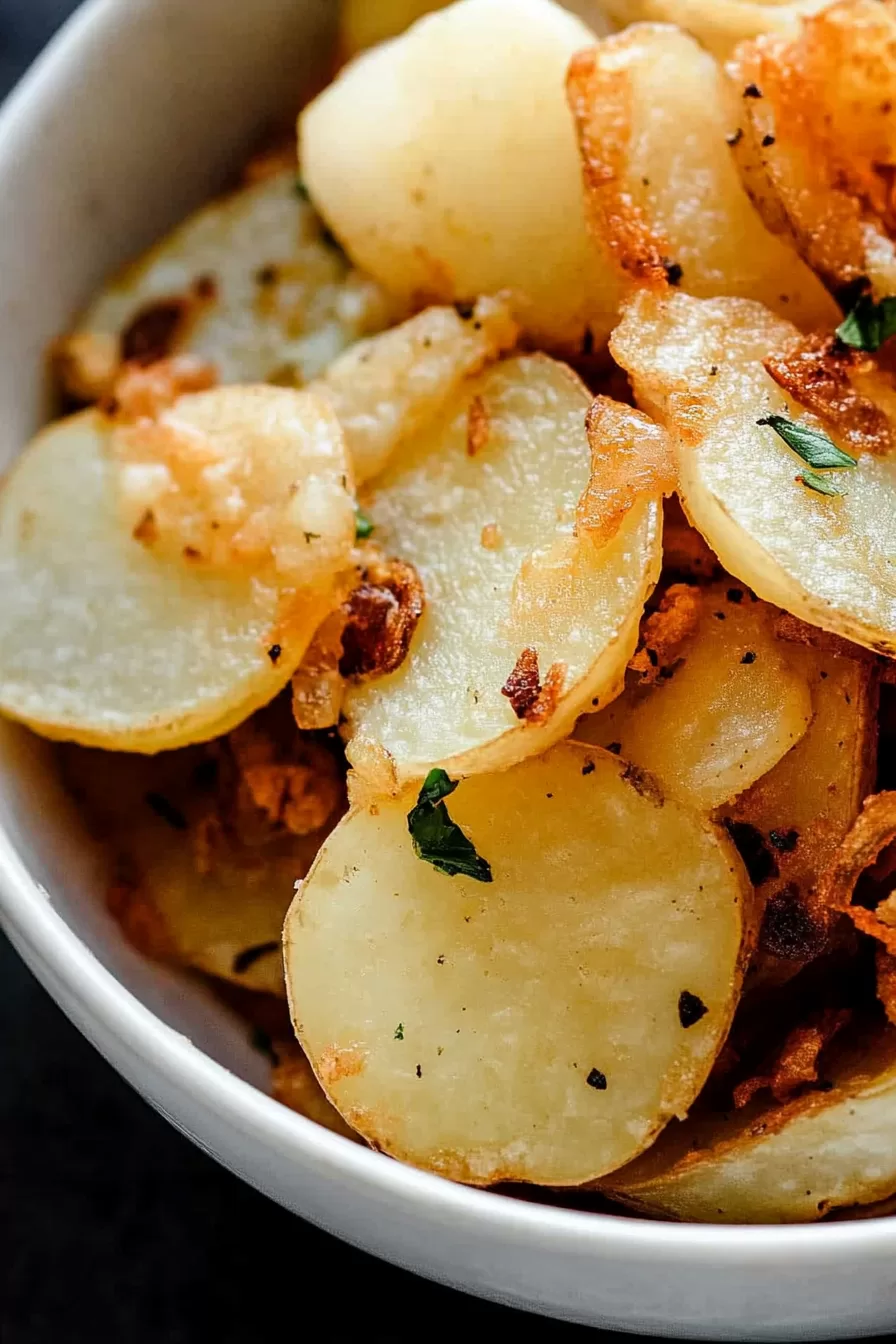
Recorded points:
(249,283)
(486,194)
(384,389)
(108,644)
(527,618)
(697,365)
(201,876)
(791,822)
(817,147)
(718,25)
(671,208)
(293,1084)
(542,1027)
(720,713)
(786,1164)
(363,25)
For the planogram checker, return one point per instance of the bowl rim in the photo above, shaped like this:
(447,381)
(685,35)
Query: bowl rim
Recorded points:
(27,909)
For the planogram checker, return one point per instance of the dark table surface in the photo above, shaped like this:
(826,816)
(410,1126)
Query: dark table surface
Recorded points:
(116,1230)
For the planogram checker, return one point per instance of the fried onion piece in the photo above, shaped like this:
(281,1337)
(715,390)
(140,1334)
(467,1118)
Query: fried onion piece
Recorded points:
(670,208)
(381,616)
(845,388)
(817,142)
(318,687)
(665,631)
(873,830)
(631,458)
(797,1062)
(142,392)
(294,782)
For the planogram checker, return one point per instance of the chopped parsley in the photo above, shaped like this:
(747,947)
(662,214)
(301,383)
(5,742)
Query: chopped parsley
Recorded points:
(363,524)
(690,1008)
(869,324)
(439,840)
(820,484)
(812,445)
(399,1032)
(597,1080)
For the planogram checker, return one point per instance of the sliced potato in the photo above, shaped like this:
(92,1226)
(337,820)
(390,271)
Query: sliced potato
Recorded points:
(293,1084)
(105,643)
(671,207)
(249,283)
(193,883)
(384,389)
(544,1026)
(484,505)
(697,365)
(817,146)
(730,706)
(719,25)
(789,1164)
(363,25)
(799,812)
(485,195)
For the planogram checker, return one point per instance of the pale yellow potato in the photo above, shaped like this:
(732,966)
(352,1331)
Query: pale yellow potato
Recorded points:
(284,302)
(445,162)
(786,1164)
(734,705)
(697,365)
(493,537)
(717,24)
(659,198)
(363,24)
(455,1024)
(188,892)
(384,389)
(293,1084)
(104,643)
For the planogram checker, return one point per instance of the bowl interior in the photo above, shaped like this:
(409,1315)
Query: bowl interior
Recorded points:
(138,114)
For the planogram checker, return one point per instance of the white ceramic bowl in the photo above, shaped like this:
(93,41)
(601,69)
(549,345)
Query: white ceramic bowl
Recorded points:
(133,115)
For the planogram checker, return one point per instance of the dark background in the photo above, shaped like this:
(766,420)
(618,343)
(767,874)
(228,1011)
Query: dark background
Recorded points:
(115,1229)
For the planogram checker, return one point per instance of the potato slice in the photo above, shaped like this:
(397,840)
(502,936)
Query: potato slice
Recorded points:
(542,1027)
(458,209)
(249,283)
(105,643)
(717,24)
(733,705)
(363,25)
(484,505)
(293,1084)
(697,365)
(194,882)
(671,207)
(797,815)
(789,1164)
(817,145)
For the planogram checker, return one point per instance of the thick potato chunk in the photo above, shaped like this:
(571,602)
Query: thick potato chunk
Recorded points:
(248,283)
(362,24)
(671,207)
(698,366)
(484,193)
(719,25)
(726,708)
(543,1026)
(105,643)
(788,1164)
(527,618)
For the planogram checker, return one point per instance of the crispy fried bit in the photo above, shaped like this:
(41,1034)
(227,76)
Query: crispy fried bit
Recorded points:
(143,392)
(523,687)
(817,151)
(666,630)
(382,615)
(156,330)
(631,457)
(477,427)
(295,784)
(86,364)
(600,100)
(873,831)
(139,918)
(789,929)
(318,687)
(549,696)
(491,537)
(794,631)
(796,1065)
(827,378)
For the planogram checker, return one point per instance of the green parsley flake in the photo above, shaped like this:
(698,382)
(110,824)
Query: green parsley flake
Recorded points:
(302,191)
(363,525)
(812,445)
(439,840)
(822,485)
(869,324)
(399,1032)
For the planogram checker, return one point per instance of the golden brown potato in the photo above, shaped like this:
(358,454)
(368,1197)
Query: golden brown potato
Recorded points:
(698,365)
(671,207)
(720,713)
(719,25)
(528,618)
(817,145)
(786,1164)
(486,194)
(540,1026)
(293,1084)
(249,283)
